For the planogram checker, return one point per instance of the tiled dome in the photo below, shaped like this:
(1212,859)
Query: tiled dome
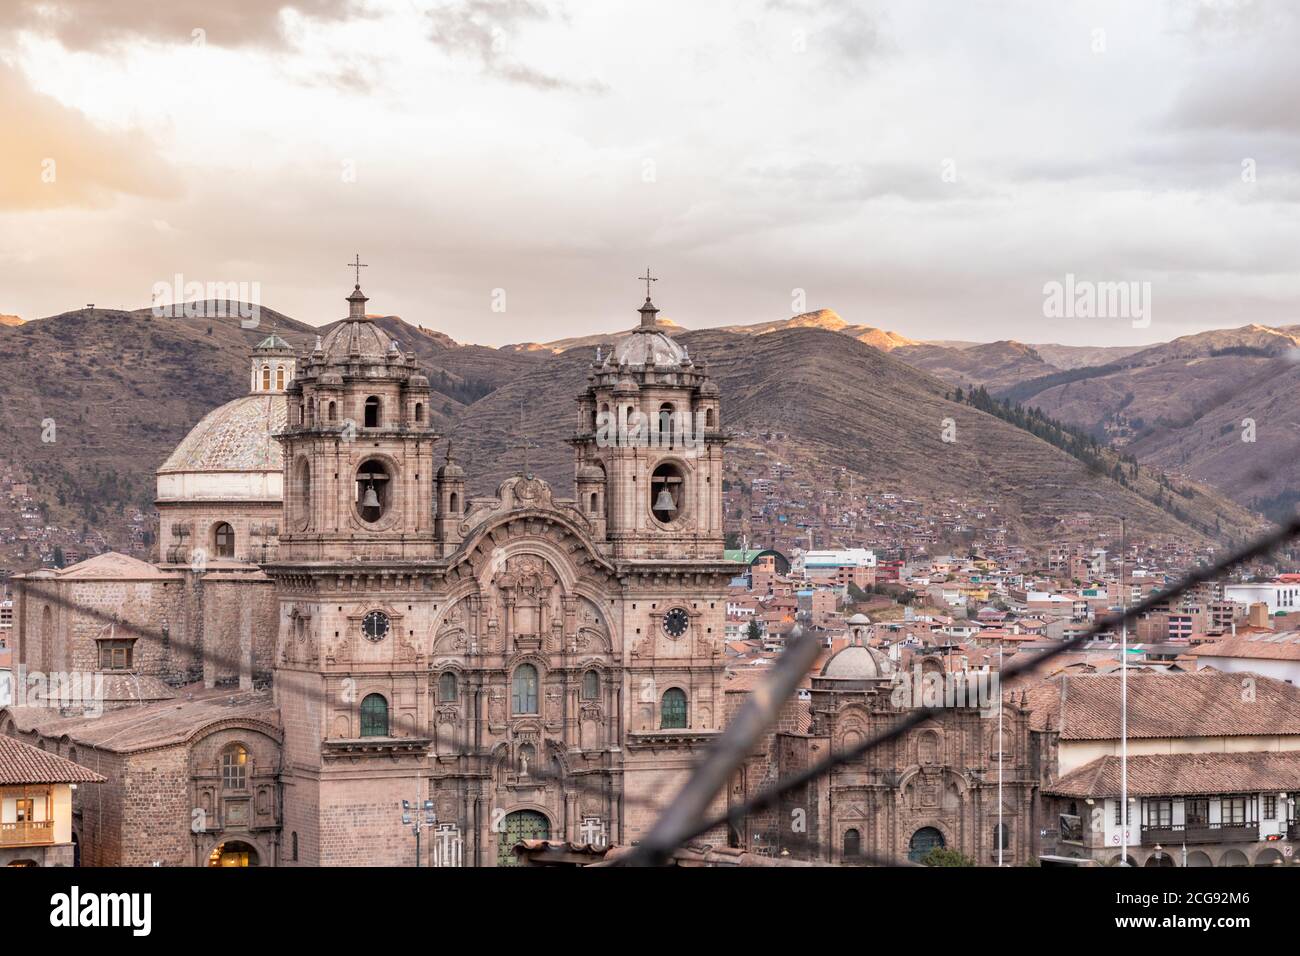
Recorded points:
(235,437)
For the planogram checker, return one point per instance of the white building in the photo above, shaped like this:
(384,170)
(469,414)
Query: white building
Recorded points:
(1278,595)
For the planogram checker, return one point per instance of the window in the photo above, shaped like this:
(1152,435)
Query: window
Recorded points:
(333,410)
(116,655)
(419,413)
(374,716)
(592,507)
(1270,806)
(524,699)
(1160,813)
(1198,812)
(665,425)
(224,538)
(266,378)
(591,685)
(279,377)
(1001,837)
(234,767)
(1119,821)
(372,412)
(672,709)
(852,844)
(1233,811)
(294,841)
(447,687)
(25,807)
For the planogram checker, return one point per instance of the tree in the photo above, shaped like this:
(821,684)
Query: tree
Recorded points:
(752,632)
(942,856)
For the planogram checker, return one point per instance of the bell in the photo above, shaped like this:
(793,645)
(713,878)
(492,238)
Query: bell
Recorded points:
(370,499)
(665,501)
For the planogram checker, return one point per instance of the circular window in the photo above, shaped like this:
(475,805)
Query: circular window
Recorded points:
(675,622)
(375,626)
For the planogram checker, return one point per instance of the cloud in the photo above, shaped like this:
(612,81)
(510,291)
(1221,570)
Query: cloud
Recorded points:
(485,31)
(96,24)
(54,156)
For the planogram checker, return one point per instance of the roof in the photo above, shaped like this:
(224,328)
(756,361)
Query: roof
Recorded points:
(1268,646)
(1158,775)
(274,341)
(107,566)
(647,344)
(1203,703)
(23,763)
(356,339)
(858,662)
(155,724)
(235,437)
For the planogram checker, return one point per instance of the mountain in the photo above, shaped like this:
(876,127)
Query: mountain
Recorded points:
(10,320)
(123,388)
(840,405)
(992,364)
(819,319)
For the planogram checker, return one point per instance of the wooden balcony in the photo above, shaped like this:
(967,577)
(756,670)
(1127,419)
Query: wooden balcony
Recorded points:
(1201,833)
(32,833)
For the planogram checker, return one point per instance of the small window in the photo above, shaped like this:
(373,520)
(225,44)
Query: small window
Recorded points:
(333,411)
(524,698)
(294,843)
(672,709)
(1198,812)
(224,539)
(419,413)
(1001,837)
(279,377)
(116,655)
(266,378)
(372,412)
(234,768)
(1270,806)
(852,844)
(1234,811)
(447,687)
(591,685)
(374,716)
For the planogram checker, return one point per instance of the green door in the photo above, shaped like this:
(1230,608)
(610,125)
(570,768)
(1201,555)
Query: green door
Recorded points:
(520,825)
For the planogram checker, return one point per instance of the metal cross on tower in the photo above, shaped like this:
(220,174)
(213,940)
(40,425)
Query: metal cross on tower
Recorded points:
(647,279)
(358,265)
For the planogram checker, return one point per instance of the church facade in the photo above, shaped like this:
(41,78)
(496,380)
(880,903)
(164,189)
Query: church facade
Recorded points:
(403,657)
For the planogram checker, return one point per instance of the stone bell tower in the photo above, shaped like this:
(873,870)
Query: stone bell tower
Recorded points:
(358,449)
(648,450)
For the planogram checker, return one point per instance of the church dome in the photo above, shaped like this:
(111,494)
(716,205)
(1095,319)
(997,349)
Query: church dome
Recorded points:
(649,347)
(230,455)
(591,473)
(858,662)
(351,340)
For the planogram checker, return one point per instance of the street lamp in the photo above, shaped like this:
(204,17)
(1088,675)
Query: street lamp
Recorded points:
(410,818)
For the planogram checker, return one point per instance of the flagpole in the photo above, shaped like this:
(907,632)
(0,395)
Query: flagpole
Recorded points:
(1123,697)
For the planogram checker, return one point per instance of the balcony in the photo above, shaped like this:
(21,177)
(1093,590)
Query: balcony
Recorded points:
(28,833)
(1201,833)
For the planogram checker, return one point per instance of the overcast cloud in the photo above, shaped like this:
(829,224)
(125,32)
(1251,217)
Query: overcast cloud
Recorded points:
(919,166)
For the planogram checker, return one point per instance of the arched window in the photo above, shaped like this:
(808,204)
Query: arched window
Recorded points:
(447,687)
(455,503)
(419,413)
(224,539)
(1001,837)
(708,418)
(234,768)
(374,716)
(524,698)
(373,493)
(294,841)
(672,709)
(666,425)
(333,411)
(591,685)
(852,844)
(279,377)
(302,414)
(266,378)
(666,492)
(372,412)
(304,489)
(594,501)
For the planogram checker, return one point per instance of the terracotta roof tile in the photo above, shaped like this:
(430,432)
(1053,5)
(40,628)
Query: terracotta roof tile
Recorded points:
(1157,775)
(23,763)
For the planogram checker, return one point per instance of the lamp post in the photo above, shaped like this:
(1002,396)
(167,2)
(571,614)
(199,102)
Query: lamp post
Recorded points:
(411,817)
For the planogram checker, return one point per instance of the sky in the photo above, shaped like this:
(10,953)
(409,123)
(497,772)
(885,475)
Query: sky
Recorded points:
(506,168)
